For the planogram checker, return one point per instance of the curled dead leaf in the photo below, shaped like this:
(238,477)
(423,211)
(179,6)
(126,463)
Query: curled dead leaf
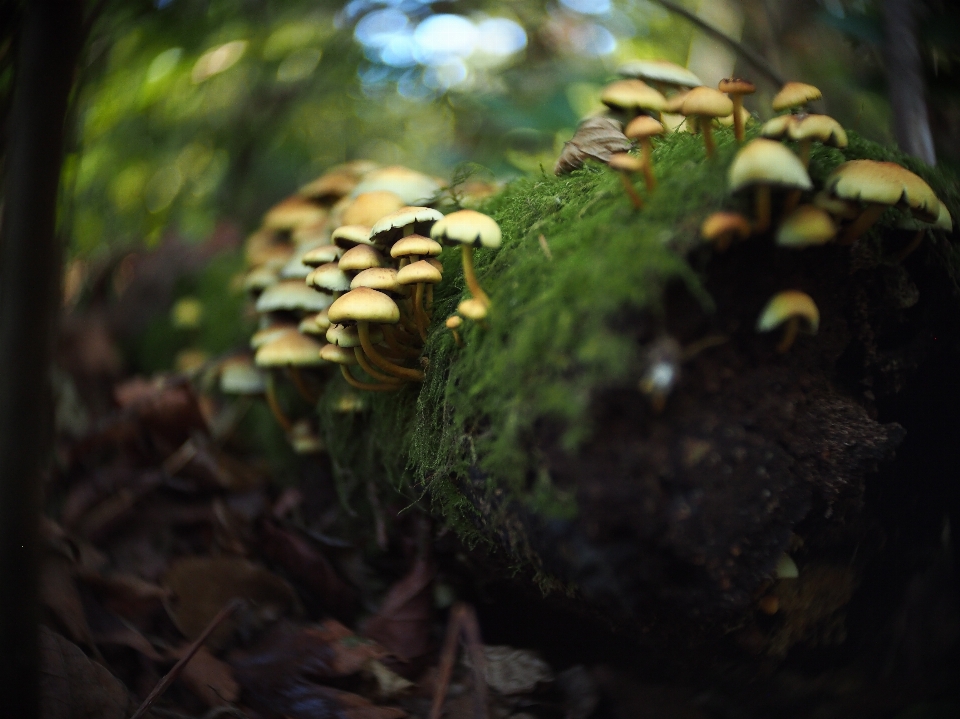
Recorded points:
(596,138)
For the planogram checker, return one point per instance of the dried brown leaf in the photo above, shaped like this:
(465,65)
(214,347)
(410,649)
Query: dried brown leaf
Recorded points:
(74,687)
(209,678)
(402,624)
(596,138)
(203,585)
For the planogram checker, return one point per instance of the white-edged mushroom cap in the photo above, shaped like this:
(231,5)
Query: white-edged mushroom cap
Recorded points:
(347,236)
(238,375)
(767,162)
(329,278)
(291,349)
(662,71)
(291,296)
(467,227)
(389,229)
(411,186)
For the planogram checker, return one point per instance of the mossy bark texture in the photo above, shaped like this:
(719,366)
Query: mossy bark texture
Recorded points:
(536,440)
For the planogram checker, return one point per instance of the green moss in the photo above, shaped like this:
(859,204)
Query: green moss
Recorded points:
(548,346)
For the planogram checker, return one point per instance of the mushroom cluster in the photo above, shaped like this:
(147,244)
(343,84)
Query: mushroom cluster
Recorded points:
(343,273)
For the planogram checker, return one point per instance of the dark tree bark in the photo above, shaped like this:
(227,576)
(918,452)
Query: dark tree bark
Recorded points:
(901,54)
(30,258)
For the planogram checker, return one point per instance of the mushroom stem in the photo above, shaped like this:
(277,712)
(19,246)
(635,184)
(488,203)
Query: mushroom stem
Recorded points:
(456,338)
(371,370)
(737,116)
(390,335)
(631,191)
(914,244)
(470,276)
(646,155)
(285,424)
(301,386)
(804,151)
(366,386)
(793,199)
(419,315)
(863,223)
(789,334)
(382,362)
(708,136)
(762,208)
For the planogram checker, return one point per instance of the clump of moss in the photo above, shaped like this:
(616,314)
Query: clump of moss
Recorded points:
(575,257)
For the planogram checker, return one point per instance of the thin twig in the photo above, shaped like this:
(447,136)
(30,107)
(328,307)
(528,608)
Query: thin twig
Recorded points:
(745,52)
(463,620)
(172,675)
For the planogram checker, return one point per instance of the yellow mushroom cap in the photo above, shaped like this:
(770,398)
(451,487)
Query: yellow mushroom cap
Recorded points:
(415,245)
(329,278)
(844,209)
(632,95)
(767,162)
(291,349)
(260,278)
(347,236)
(361,257)
(419,272)
(786,568)
(270,333)
(706,102)
(453,321)
(822,128)
(304,440)
(736,86)
(292,213)
(295,268)
(383,279)
(625,162)
(787,304)
(727,120)
(473,309)
(337,355)
(884,183)
(674,103)
(411,186)
(263,247)
(321,255)
(345,336)
(944,220)
(436,263)
(642,127)
(291,296)
(389,229)
(778,127)
(662,71)
(316,233)
(725,224)
(467,227)
(329,186)
(364,305)
(238,375)
(795,94)
(308,326)
(369,207)
(805,226)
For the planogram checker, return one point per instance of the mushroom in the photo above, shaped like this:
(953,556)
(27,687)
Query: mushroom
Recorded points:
(822,128)
(943,222)
(625,164)
(793,308)
(347,236)
(348,337)
(404,222)
(806,226)
(795,95)
(419,273)
(321,255)
(345,357)
(721,228)
(291,350)
(764,164)
(410,186)
(369,207)
(304,440)
(642,129)
(291,296)
(270,331)
(662,74)
(473,309)
(360,258)
(260,278)
(706,104)
(364,306)
(469,229)
(632,97)
(239,375)
(329,279)
(412,247)
(291,213)
(880,185)
(453,324)
(736,89)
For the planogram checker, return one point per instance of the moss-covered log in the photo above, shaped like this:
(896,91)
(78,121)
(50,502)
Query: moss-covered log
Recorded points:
(538,440)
